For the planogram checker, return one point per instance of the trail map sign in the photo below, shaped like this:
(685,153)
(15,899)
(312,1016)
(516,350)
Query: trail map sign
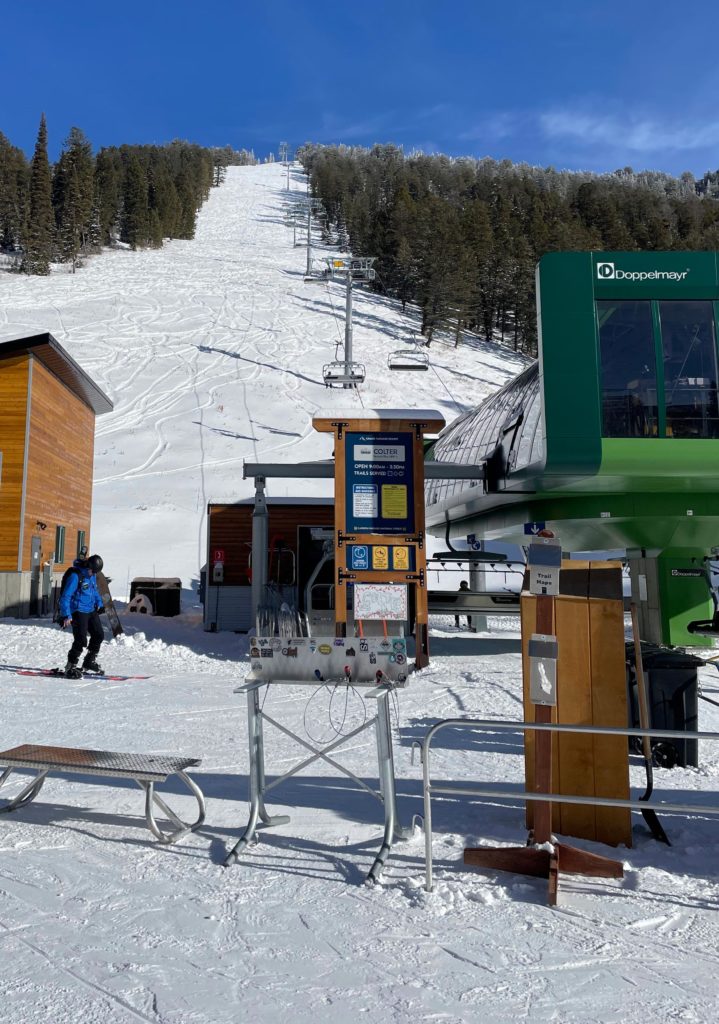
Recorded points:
(379,510)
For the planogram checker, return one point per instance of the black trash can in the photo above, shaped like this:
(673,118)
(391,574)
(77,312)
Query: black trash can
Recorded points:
(164,594)
(672,687)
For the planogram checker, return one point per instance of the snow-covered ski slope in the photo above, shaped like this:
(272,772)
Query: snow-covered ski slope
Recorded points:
(212,351)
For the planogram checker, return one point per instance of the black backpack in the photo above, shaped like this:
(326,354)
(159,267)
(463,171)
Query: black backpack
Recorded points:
(59,589)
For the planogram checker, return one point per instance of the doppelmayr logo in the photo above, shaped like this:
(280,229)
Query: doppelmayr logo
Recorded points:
(610,272)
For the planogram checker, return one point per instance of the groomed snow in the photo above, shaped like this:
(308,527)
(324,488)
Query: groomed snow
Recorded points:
(212,351)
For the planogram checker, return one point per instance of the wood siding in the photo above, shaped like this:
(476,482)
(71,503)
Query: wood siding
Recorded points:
(60,465)
(13,407)
(591,690)
(230,530)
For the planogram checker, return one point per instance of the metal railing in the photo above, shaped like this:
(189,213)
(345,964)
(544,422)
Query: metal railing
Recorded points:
(492,725)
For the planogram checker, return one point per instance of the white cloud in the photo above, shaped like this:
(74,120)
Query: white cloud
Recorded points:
(636,135)
(500,125)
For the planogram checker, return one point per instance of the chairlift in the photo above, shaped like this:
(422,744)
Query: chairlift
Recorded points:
(317,277)
(414,358)
(408,359)
(339,372)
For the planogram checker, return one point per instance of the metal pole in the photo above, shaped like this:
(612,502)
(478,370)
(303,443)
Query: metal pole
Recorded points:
(288,173)
(260,541)
(348,326)
(309,239)
(478,583)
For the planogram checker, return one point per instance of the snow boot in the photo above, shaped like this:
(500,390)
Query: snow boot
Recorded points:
(71,671)
(91,665)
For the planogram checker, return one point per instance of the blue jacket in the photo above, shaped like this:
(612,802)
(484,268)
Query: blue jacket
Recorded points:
(80,593)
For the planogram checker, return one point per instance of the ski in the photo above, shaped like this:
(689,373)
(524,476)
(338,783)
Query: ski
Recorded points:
(57,673)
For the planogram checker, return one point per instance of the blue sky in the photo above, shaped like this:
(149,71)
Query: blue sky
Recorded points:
(571,83)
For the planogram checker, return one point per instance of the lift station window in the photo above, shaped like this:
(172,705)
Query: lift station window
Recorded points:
(629,378)
(690,368)
(659,368)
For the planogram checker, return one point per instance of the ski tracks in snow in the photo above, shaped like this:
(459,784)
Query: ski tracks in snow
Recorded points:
(212,351)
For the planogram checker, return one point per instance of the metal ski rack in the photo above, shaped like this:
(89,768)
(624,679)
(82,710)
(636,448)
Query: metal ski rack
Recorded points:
(290,662)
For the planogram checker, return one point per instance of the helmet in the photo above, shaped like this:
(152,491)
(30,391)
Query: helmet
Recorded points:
(94,563)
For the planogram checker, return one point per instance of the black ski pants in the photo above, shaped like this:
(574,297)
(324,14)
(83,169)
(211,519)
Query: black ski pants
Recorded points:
(82,624)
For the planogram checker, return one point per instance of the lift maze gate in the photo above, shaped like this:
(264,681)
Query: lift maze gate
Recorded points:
(612,438)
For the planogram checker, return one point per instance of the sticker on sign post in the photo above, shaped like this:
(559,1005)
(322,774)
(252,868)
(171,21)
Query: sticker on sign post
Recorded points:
(364,501)
(542,650)
(380,557)
(381,601)
(544,559)
(394,501)
(360,556)
(400,558)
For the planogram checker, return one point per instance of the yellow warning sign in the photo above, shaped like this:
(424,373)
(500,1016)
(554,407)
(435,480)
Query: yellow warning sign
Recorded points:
(400,558)
(380,557)
(394,501)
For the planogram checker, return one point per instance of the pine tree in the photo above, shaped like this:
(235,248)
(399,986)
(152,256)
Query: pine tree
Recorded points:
(135,226)
(14,174)
(73,196)
(39,235)
(108,180)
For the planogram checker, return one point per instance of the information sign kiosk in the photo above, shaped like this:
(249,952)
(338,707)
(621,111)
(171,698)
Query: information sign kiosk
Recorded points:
(379,505)
(379,548)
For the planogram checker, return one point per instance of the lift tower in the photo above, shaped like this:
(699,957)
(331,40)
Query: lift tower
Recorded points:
(360,270)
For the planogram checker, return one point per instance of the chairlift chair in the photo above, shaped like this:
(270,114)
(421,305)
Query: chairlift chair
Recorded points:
(340,373)
(408,359)
(708,627)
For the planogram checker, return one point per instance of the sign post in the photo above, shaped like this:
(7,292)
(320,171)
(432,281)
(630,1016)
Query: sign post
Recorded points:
(543,856)
(379,505)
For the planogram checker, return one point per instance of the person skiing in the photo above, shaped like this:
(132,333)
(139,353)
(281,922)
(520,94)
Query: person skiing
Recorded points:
(80,607)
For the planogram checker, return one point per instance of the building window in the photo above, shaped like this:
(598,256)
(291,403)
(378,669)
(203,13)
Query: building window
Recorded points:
(81,546)
(659,368)
(690,368)
(59,545)
(628,369)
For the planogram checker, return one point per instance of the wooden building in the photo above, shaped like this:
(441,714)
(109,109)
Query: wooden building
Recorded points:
(48,406)
(296,528)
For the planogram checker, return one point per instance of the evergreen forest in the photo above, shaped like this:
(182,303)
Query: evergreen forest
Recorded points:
(461,237)
(136,195)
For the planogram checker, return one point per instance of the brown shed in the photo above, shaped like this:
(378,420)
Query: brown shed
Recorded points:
(45,468)
(292,555)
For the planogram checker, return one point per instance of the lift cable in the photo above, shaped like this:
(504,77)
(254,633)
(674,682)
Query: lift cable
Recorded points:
(454,400)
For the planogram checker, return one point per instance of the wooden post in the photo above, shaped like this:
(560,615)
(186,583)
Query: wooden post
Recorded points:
(340,526)
(543,858)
